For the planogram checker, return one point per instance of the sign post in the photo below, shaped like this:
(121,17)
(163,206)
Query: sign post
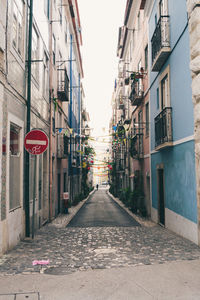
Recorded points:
(35,142)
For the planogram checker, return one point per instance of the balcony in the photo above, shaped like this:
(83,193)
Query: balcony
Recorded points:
(136,146)
(160,43)
(136,95)
(63,85)
(163,129)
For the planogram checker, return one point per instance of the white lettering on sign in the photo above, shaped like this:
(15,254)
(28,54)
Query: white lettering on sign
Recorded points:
(35,142)
(35,150)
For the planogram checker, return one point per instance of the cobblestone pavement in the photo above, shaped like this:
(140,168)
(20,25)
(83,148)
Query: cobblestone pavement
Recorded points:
(71,249)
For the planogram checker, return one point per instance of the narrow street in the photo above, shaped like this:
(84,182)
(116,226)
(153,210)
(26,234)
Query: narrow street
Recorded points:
(102,211)
(101,236)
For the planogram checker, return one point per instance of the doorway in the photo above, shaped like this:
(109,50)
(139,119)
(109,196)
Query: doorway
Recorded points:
(161,197)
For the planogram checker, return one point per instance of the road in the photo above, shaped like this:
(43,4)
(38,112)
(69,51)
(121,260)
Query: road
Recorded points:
(101,211)
(102,254)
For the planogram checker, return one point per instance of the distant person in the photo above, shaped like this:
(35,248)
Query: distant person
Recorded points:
(97,186)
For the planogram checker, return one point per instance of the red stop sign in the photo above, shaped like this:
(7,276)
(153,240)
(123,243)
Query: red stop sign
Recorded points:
(36,142)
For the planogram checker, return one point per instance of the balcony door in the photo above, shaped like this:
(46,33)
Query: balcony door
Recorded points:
(163,7)
(164,19)
(164,92)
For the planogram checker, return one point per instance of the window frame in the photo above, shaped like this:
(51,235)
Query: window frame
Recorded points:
(146,55)
(45,82)
(47,8)
(165,74)
(15,121)
(147,119)
(18,29)
(35,54)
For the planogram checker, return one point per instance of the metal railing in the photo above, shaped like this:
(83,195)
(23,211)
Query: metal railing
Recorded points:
(136,146)
(163,127)
(137,92)
(161,36)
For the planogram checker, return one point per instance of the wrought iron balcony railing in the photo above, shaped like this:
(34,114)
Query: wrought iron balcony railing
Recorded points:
(160,43)
(136,146)
(163,128)
(63,85)
(137,93)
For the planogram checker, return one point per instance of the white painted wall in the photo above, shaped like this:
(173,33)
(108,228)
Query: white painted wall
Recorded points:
(181,226)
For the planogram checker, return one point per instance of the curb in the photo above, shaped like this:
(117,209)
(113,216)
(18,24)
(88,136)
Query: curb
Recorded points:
(140,220)
(63,220)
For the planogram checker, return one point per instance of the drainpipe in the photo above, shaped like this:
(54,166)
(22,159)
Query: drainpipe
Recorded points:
(50,117)
(70,120)
(28,122)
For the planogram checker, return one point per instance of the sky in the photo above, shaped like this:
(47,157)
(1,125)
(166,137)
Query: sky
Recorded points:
(100,22)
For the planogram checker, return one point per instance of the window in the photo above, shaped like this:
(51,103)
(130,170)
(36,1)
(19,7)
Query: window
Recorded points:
(138,21)
(15,166)
(66,36)
(156,20)
(163,7)
(61,81)
(157,98)
(164,89)
(147,118)
(146,57)
(45,76)
(134,126)
(17,34)
(140,131)
(54,49)
(46,8)
(140,86)
(35,53)
(60,12)
(164,92)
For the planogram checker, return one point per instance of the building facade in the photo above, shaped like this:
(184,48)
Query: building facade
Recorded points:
(163,147)
(40,88)
(174,202)
(132,106)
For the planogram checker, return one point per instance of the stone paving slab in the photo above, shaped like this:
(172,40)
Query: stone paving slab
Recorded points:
(20,296)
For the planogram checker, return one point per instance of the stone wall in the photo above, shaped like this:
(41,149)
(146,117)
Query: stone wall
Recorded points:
(194,28)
